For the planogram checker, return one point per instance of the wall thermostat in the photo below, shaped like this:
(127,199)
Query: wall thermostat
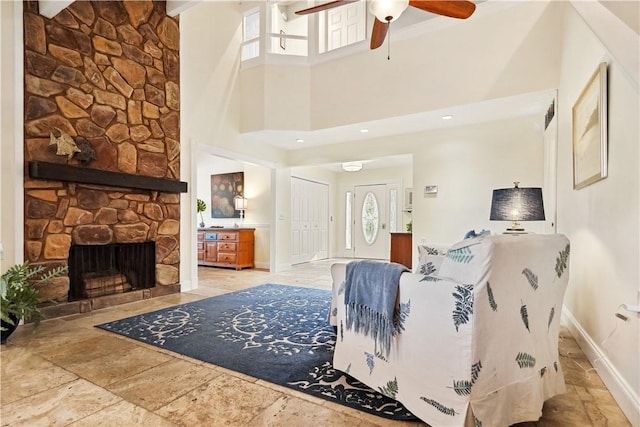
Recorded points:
(431,189)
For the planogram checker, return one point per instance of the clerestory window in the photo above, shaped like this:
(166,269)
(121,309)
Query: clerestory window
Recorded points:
(302,35)
(250,35)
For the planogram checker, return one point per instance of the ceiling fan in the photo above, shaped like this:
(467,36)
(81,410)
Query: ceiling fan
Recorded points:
(386,11)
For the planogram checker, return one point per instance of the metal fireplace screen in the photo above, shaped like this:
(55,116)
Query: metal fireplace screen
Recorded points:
(97,270)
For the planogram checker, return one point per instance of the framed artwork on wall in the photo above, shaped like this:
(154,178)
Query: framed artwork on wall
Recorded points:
(224,188)
(589,132)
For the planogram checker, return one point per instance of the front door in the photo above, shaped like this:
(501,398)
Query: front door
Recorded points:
(371,231)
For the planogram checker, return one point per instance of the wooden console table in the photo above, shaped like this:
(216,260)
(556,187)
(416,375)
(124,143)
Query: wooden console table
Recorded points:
(401,253)
(226,247)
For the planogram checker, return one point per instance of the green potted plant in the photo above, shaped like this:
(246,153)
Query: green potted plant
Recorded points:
(19,297)
(201,207)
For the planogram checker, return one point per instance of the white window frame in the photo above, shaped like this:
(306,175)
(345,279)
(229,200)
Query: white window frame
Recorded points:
(258,37)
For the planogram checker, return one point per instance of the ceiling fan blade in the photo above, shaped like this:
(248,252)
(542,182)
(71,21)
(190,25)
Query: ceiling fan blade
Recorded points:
(378,33)
(452,8)
(324,6)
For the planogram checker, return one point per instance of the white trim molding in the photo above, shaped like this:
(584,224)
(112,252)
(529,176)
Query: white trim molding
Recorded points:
(622,392)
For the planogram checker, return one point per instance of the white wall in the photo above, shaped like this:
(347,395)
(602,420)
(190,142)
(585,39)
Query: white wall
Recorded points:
(210,36)
(467,164)
(602,221)
(11,106)
(281,223)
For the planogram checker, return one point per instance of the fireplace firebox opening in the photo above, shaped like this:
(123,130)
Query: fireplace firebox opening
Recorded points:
(98,270)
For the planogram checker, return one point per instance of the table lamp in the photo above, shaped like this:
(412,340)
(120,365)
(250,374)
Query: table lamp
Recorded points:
(517,204)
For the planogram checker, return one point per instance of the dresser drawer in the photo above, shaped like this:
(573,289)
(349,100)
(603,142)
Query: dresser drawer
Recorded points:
(226,257)
(228,235)
(227,247)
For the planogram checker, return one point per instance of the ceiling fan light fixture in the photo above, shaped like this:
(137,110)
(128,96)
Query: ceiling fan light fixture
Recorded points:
(387,10)
(352,166)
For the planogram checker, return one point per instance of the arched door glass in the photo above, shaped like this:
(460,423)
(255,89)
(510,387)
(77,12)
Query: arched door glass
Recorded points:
(370,218)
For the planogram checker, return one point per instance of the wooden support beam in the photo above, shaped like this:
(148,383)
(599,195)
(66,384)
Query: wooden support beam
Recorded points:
(60,172)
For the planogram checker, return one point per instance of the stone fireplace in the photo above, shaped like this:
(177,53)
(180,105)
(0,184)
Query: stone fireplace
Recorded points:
(105,73)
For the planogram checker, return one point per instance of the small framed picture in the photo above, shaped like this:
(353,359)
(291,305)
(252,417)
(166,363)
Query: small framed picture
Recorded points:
(408,199)
(590,131)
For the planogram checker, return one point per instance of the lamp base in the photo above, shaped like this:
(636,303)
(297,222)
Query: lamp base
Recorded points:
(515,231)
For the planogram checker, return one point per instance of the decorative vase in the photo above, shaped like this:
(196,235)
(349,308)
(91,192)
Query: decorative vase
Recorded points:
(9,328)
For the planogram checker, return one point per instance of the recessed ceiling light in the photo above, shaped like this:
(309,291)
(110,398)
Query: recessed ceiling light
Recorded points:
(364,130)
(299,140)
(447,117)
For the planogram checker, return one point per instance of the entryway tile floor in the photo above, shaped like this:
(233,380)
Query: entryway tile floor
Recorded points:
(69,373)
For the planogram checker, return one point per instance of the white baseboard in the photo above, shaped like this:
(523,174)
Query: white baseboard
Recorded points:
(186,286)
(262,265)
(283,267)
(619,388)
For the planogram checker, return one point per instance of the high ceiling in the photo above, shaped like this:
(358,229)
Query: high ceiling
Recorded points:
(412,21)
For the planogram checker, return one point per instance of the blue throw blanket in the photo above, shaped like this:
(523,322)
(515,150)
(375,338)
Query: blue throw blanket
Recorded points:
(371,289)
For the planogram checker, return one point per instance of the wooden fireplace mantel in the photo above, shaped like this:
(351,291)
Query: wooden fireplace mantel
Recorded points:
(61,172)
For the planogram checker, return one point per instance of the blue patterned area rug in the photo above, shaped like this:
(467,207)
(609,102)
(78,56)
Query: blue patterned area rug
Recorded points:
(274,332)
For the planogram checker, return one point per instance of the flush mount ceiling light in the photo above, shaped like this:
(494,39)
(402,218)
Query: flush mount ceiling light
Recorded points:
(352,166)
(447,117)
(299,140)
(364,130)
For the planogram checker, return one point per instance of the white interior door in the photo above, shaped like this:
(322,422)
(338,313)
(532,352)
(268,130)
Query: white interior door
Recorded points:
(371,230)
(346,25)
(309,220)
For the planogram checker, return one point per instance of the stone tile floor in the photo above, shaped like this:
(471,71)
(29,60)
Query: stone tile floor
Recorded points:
(69,373)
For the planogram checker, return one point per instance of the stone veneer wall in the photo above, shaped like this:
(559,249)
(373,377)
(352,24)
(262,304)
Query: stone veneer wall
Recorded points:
(106,72)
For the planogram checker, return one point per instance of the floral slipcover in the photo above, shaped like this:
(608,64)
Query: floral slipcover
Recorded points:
(479,336)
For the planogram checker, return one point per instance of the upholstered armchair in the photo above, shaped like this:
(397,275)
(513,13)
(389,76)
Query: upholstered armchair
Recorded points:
(478,344)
